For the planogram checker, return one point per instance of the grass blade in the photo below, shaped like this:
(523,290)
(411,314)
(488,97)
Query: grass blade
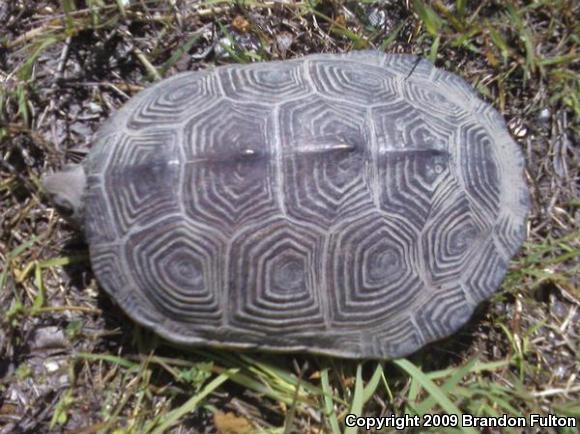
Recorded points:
(434,49)
(499,41)
(392,37)
(428,16)
(69,8)
(172,418)
(64,260)
(460,7)
(448,386)
(440,397)
(357,399)
(373,383)
(127,364)
(329,403)
(12,255)
(22,94)
(24,73)
(39,282)
(178,54)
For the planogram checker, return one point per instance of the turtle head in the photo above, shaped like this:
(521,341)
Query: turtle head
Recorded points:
(66,190)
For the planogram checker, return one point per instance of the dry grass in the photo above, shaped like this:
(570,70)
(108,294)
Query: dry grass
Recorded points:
(70,361)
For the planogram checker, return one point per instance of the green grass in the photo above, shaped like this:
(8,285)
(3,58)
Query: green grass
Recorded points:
(511,52)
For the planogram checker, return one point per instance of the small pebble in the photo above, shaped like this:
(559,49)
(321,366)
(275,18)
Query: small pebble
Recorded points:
(247,42)
(544,115)
(559,309)
(284,41)
(222,48)
(47,337)
(521,131)
(95,108)
(517,128)
(51,366)
(377,18)
(81,129)
(560,371)
(241,24)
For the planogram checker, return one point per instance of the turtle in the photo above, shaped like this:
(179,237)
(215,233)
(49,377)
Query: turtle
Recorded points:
(356,205)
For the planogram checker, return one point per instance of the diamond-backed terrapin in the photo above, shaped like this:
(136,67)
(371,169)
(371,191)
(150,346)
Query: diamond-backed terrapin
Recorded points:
(356,205)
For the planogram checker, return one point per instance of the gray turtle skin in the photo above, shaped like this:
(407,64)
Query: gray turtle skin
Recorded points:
(357,205)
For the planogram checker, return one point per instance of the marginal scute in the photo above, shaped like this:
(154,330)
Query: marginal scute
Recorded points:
(364,57)
(98,229)
(443,313)
(407,66)
(108,265)
(98,159)
(485,274)
(357,205)
(394,338)
(509,234)
(454,84)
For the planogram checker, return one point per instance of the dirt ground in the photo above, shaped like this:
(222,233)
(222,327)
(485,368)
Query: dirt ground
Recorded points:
(71,361)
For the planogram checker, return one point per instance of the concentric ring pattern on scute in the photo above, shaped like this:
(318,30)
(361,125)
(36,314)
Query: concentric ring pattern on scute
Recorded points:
(357,205)
(275,279)
(325,159)
(228,169)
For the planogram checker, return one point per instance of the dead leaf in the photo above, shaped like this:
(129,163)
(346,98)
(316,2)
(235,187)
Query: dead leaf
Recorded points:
(229,423)
(241,24)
